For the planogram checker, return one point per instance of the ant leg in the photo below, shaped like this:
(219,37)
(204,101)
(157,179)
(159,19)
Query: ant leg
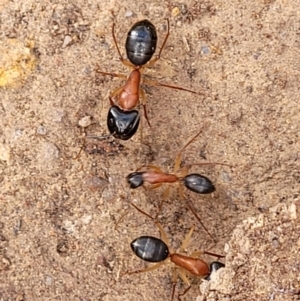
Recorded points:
(158,84)
(141,211)
(154,168)
(114,93)
(143,94)
(214,254)
(154,186)
(151,167)
(125,62)
(121,218)
(163,235)
(207,163)
(112,103)
(153,61)
(81,148)
(115,41)
(199,253)
(193,211)
(185,280)
(120,75)
(186,240)
(179,155)
(185,291)
(165,195)
(174,282)
(148,269)
(199,220)
(98,137)
(181,194)
(141,131)
(183,171)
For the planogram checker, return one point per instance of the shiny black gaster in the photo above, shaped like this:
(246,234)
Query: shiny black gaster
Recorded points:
(122,124)
(141,42)
(198,183)
(150,248)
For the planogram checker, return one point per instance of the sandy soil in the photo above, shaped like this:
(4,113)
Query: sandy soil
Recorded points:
(58,214)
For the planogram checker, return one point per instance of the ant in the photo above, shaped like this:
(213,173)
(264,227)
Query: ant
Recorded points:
(153,249)
(122,119)
(155,177)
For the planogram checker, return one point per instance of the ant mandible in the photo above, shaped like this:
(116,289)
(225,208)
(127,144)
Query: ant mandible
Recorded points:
(155,250)
(155,177)
(122,119)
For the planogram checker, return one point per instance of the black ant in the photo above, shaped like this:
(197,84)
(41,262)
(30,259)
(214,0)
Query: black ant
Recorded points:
(155,177)
(122,119)
(153,249)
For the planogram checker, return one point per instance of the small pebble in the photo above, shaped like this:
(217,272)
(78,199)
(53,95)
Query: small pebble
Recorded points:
(4,152)
(41,130)
(86,219)
(67,41)
(205,50)
(85,121)
(48,280)
(175,11)
(128,14)
(18,133)
(57,115)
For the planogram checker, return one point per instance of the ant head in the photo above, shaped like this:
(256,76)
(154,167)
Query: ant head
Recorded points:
(135,179)
(214,266)
(198,183)
(122,124)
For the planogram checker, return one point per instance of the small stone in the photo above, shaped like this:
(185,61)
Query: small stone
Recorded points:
(85,121)
(4,152)
(67,41)
(86,219)
(4,264)
(41,130)
(48,280)
(128,14)
(175,11)
(205,50)
(57,115)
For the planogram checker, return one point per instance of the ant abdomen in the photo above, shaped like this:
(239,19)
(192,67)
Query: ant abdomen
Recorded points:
(198,183)
(150,248)
(141,42)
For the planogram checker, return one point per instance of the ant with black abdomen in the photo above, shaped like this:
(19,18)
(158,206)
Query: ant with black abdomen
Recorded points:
(123,120)
(155,250)
(152,176)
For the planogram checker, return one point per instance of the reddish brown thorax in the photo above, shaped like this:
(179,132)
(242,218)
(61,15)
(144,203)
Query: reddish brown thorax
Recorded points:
(129,96)
(155,177)
(195,266)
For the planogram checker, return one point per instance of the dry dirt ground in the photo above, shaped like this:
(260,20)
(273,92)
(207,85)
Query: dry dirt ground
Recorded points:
(58,214)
